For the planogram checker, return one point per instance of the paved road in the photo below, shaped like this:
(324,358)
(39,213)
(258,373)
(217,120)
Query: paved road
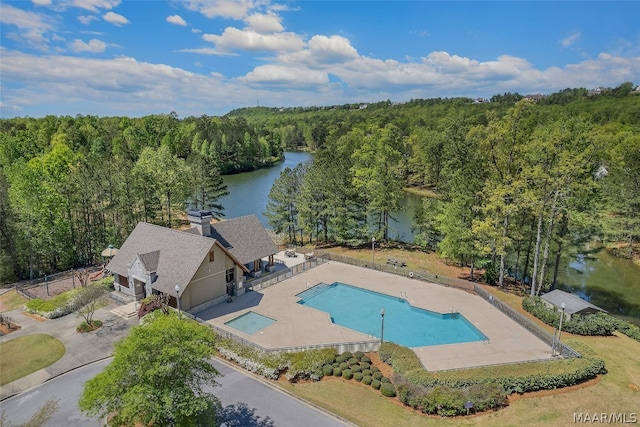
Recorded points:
(247,402)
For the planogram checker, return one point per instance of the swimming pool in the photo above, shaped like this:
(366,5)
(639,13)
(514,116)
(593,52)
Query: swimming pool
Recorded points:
(250,322)
(359,309)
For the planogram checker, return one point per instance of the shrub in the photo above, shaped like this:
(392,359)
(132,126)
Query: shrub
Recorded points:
(353,361)
(444,401)
(590,324)
(347,355)
(358,355)
(366,372)
(629,329)
(367,379)
(402,359)
(388,390)
(347,374)
(356,368)
(374,369)
(376,384)
(358,376)
(377,375)
(337,372)
(486,396)
(340,359)
(327,370)
(364,365)
(385,380)
(58,306)
(308,364)
(336,365)
(344,365)
(365,359)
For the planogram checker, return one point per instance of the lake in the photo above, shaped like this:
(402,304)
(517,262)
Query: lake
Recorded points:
(606,281)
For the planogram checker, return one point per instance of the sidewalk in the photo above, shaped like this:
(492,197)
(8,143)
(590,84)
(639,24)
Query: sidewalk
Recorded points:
(81,348)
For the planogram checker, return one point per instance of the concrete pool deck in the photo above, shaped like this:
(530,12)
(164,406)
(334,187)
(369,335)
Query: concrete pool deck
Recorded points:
(298,325)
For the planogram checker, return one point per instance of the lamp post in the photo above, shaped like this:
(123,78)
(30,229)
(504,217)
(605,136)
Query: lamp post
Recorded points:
(177,288)
(563,305)
(373,250)
(381,325)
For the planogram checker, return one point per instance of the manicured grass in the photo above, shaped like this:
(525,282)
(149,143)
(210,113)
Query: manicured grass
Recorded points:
(22,356)
(12,300)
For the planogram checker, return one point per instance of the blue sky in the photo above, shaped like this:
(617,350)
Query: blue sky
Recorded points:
(195,57)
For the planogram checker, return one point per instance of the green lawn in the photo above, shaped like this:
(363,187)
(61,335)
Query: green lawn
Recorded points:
(22,356)
(12,300)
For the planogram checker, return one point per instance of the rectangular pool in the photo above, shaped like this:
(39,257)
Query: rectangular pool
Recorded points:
(250,322)
(359,309)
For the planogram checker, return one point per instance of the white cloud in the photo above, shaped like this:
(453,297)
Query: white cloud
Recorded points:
(95,5)
(570,39)
(94,46)
(86,20)
(233,9)
(33,28)
(264,23)
(115,19)
(285,76)
(177,20)
(42,2)
(233,38)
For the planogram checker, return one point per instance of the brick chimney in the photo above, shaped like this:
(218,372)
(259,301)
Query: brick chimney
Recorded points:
(201,220)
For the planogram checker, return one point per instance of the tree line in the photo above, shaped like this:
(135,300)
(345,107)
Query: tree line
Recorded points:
(517,187)
(70,186)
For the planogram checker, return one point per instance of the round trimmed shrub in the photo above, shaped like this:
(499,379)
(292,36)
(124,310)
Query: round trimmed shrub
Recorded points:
(340,359)
(376,384)
(365,359)
(327,370)
(385,380)
(356,368)
(358,355)
(377,375)
(364,365)
(337,372)
(344,365)
(358,376)
(347,355)
(347,374)
(388,390)
(374,369)
(366,372)
(336,365)
(353,361)
(367,379)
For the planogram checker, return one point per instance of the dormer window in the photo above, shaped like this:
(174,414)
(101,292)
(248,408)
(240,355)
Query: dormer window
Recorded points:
(211,256)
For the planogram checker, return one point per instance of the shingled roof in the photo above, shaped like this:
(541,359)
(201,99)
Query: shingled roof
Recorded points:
(573,303)
(174,255)
(245,238)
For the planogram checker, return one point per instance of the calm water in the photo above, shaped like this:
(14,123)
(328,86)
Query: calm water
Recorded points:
(360,309)
(604,280)
(608,282)
(250,322)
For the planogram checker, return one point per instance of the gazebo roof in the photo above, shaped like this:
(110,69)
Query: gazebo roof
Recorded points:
(573,303)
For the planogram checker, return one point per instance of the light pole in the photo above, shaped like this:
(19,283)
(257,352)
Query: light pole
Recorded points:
(177,288)
(381,325)
(563,305)
(373,250)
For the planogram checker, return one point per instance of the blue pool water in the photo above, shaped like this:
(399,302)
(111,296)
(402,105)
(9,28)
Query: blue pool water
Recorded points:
(359,309)
(250,322)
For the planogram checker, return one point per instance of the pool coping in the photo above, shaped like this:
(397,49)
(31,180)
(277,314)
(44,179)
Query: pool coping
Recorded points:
(299,326)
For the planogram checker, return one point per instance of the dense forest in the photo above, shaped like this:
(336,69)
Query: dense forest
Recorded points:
(71,186)
(518,182)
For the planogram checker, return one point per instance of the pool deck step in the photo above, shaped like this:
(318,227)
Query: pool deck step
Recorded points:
(313,291)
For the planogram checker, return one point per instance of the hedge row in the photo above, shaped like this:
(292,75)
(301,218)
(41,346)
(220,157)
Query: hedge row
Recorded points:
(296,366)
(601,324)
(515,378)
